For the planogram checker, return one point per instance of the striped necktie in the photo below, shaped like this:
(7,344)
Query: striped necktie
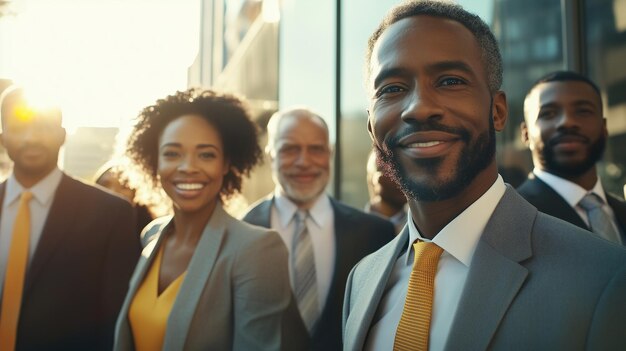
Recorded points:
(15,273)
(414,327)
(305,279)
(599,221)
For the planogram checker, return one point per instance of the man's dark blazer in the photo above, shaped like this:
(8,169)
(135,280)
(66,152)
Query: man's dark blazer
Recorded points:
(547,200)
(79,274)
(357,234)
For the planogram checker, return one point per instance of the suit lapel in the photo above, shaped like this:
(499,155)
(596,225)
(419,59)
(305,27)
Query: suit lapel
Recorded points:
(342,251)
(60,219)
(495,275)
(123,333)
(555,205)
(363,309)
(196,279)
(619,209)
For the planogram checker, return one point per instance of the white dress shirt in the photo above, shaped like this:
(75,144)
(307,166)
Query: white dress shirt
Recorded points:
(458,239)
(321,227)
(43,193)
(573,193)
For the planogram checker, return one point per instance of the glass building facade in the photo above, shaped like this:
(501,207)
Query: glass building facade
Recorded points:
(301,52)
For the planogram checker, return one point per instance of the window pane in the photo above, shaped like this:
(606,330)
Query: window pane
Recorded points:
(605,32)
(359,19)
(531,42)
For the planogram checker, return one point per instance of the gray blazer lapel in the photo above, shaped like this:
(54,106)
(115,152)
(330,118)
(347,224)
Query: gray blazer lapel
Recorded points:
(371,291)
(495,275)
(198,273)
(123,335)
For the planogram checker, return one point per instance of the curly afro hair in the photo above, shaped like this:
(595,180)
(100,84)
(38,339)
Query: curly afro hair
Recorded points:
(225,112)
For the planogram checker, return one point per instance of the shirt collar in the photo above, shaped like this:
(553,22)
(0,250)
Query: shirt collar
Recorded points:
(460,237)
(570,191)
(42,192)
(286,209)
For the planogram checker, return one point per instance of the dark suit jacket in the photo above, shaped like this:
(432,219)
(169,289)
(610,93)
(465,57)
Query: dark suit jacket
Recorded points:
(535,283)
(357,234)
(79,274)
(547,200)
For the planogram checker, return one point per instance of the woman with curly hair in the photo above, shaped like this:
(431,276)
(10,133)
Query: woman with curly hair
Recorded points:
(207,281)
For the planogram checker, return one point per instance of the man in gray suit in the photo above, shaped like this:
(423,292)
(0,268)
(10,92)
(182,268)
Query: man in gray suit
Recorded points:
(298,145)
(506,277)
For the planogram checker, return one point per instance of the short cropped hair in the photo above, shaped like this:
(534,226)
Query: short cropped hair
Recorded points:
(274,121)
(492,60)
(225,112)
(563,76)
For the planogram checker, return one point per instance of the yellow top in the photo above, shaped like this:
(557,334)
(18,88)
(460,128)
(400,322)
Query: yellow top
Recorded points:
(149,311)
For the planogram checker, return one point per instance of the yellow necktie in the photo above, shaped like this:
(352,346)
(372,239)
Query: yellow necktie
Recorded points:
(414,326)
(14,277)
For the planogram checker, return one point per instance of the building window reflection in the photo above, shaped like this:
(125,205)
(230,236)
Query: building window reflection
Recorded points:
(605,37)
(239,15)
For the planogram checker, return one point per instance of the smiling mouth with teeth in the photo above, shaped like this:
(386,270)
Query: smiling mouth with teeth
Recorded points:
(426,144)
(189,186)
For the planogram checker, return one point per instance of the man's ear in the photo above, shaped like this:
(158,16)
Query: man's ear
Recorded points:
(369,128)
(605,131)
(61,135)
(500,110)
(269,152)
(523,128)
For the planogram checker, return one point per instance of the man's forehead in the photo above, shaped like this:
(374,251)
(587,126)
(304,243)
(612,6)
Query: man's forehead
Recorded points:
(435,38)
(16,104)
(24,114)
(288,140)
(564,92)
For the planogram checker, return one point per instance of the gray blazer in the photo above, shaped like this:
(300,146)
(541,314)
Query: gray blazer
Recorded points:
(234,294)
(535,283)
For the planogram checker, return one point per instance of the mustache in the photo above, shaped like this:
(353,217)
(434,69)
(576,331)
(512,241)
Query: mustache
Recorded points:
(428,126)
(566,134)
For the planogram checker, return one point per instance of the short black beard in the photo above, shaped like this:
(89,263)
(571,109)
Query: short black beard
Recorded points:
(596,150)
(474,158)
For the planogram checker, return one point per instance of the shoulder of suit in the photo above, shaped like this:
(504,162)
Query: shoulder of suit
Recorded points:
(529,186)
(153,230)
(90,192)
(259,203)
(238,227)
(360,214)
(570,237)
(615,198)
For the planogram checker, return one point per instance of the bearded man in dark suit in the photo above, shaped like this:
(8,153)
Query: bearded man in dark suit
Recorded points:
(566,131)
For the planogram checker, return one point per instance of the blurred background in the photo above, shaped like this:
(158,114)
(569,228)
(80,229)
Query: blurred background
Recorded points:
(106,59)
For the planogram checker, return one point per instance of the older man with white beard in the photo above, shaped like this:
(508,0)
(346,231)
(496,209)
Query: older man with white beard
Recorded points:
(325,238)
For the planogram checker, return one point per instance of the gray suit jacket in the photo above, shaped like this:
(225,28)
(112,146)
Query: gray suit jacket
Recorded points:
(234,294)
(535,283)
